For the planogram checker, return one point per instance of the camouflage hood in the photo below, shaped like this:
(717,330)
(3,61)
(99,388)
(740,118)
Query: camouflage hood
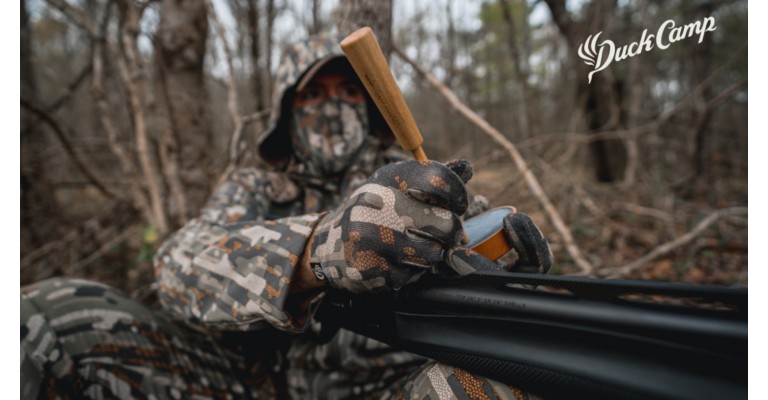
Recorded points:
(299,62)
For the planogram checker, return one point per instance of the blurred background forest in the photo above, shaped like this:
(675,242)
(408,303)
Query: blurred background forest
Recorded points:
(131,111)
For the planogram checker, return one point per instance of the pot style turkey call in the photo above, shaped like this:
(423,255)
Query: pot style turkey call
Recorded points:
(484,232)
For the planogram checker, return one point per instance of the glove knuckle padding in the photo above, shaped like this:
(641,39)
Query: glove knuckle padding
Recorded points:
(462,168)
(426,181)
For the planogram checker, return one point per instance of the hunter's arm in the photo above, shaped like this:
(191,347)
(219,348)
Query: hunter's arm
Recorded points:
(231,269)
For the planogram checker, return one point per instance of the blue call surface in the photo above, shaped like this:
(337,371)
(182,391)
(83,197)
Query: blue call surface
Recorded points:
(482,226)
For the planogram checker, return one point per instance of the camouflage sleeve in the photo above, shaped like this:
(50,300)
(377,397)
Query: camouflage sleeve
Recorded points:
(229,268)
(241,198)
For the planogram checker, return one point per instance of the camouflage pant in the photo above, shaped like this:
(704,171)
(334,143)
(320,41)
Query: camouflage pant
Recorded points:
(81,339)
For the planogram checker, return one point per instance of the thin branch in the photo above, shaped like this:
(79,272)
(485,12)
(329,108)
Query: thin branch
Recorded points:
(72,87)
(668,247)
(518,61)
(168,147)
(232,103)
(79,17)
(35,255)
(169,159)
(132,75)
(271,15)
(584,198)
(106,247)
(580,194)
(685,102)
(648,212)
(517,158)
(631,133)
(59,132)
(137,193)
(727,92)
(587,138)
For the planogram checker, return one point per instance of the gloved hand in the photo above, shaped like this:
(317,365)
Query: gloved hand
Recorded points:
(524,237)
(394,228)
(533,252)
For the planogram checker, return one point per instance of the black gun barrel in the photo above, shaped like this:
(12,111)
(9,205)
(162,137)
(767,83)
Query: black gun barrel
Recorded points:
(559,344)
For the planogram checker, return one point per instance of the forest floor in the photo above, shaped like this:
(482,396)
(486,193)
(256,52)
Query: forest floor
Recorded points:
(612,229)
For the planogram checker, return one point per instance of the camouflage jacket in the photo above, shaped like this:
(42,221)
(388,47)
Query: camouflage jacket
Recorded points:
(231,267)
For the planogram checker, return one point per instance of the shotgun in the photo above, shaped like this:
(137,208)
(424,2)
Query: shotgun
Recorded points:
(558,336)
(553,336)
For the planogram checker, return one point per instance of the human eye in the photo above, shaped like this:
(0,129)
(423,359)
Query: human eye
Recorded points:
(308,96)
(309,93)
(352,93)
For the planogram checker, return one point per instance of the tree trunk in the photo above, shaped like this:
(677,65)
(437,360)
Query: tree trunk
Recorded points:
(355,14)
(258,77)
(701,59)
(181,37)
(520,63)
(602,116)
(133,75)
(602,99)
(37,200)
(271,14)
(317,25)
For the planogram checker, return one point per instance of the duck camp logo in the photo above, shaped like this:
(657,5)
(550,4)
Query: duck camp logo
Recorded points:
(601,55)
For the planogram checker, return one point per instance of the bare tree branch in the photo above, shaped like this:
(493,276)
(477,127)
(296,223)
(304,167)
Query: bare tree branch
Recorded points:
(133,78)
(648,212)
(75,268)
(517,158)
(240,123)
(271,15)
(232,102)
(59,132)
(136,191)
(77,16)
(521,70)
(168,153)
(651,126)
(687,100)
(33,256)
(258,74)
(727,92)
(668,247)
(71,88)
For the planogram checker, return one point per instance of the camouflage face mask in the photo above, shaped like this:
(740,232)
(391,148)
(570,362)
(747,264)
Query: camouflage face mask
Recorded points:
(330,134)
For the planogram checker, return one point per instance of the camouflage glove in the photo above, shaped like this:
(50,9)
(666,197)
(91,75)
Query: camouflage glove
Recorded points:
(394,228)
(533,253)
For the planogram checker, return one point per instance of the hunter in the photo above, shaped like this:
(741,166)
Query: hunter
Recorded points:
(336,207)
